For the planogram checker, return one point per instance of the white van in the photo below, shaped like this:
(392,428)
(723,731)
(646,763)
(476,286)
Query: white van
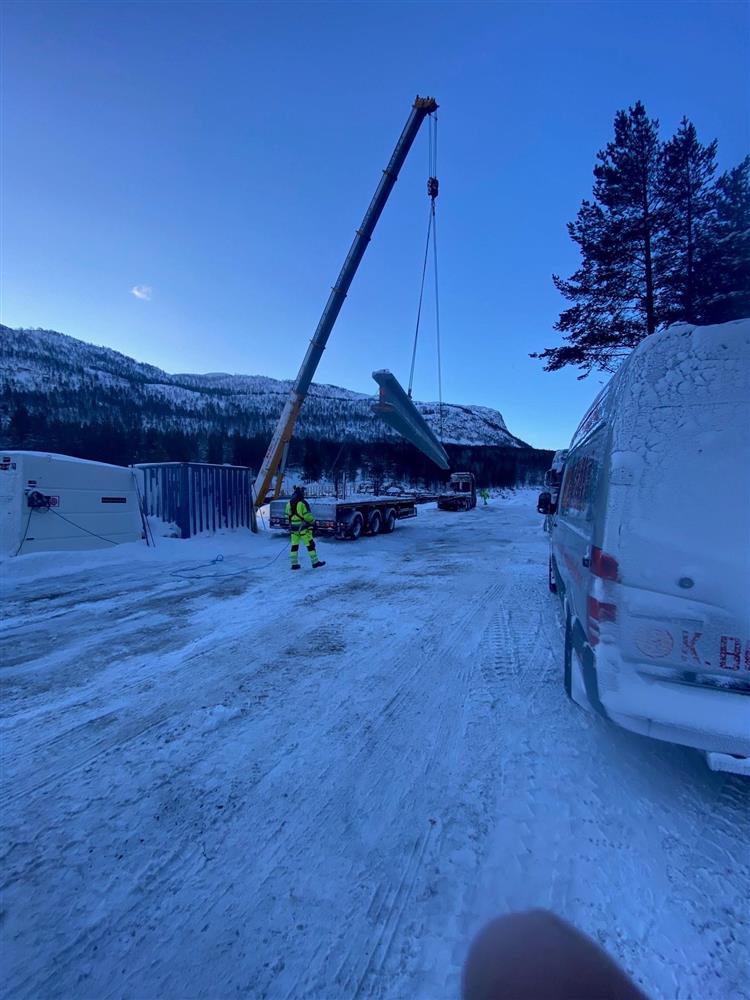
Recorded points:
(650,544)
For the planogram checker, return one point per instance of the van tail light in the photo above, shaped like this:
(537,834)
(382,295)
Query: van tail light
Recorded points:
(603,565)
(598,612)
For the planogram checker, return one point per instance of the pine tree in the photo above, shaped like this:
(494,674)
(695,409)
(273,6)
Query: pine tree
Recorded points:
(723,284)
(659,243)
(599,329)
(20,426)
(627,187)
(215,449)
(685,176)
(613,291)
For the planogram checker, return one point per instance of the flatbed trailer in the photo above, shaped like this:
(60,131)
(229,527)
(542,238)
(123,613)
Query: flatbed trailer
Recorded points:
(350,518)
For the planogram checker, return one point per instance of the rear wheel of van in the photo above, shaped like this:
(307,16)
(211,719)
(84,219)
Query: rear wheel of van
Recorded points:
(568,656)
(551,581)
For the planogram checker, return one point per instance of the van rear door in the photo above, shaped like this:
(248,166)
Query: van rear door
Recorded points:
(678,510)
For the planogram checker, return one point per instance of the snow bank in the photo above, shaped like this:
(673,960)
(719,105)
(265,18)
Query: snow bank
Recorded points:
(168,552)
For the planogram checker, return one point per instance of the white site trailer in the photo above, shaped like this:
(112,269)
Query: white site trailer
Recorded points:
(50,502)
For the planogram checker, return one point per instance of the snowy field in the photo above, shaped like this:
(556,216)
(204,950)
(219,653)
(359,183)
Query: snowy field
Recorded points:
(322,784)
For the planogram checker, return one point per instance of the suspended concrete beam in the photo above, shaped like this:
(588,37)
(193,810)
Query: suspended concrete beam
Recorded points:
(397,410)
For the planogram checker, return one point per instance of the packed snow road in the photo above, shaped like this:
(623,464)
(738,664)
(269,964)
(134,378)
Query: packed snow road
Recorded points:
(322,784)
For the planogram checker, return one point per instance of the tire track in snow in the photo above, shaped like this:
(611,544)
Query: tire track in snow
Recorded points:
(515,668)
(191,862)
(362,969)
(391,914)
(29,755)
(372,979)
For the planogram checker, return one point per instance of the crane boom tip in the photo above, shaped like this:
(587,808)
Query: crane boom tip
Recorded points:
(428,104)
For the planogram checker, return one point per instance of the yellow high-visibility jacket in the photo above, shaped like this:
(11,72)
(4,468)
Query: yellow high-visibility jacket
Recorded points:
(301,517)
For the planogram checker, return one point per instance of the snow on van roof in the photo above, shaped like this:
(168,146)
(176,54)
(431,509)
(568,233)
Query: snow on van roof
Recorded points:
(686,362)
(680,354)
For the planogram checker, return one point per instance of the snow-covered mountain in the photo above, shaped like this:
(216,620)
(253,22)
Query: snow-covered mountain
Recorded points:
(73,381)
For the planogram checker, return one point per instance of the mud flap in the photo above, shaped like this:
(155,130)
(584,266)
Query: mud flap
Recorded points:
(727,762)
(583,662)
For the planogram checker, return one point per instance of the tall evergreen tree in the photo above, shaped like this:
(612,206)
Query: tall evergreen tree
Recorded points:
(215,449)
(20,426)
(627,186)
(660,243)
(723,283)
(685,177)
(614,291)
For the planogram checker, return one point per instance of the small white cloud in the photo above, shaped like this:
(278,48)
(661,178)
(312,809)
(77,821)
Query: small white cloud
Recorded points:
(142,292)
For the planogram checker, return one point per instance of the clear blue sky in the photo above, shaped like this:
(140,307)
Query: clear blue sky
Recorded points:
(222,155)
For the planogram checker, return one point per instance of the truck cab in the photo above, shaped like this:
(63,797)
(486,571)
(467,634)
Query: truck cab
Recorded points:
(461,493)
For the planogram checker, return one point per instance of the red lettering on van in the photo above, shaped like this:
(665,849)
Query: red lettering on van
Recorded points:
(726,653)
(688,646)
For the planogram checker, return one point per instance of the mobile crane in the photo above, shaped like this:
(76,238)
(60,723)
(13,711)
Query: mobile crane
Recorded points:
(274,462)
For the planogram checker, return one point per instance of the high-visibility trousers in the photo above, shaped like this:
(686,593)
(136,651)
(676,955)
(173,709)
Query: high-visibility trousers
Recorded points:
(304,535)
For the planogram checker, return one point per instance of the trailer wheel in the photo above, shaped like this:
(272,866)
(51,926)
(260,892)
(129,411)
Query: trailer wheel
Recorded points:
(356,525)
(389,524)
(375,523)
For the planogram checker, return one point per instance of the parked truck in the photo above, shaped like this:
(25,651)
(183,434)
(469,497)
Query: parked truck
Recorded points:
(461,493)
(350,518)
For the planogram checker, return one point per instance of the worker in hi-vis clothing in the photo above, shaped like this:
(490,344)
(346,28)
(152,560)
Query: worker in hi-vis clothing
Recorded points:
(301,520)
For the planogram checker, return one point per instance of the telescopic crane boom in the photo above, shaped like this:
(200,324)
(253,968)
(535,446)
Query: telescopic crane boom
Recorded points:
(274,462)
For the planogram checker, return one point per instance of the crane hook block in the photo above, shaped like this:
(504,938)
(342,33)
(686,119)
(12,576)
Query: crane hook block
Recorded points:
(433,187)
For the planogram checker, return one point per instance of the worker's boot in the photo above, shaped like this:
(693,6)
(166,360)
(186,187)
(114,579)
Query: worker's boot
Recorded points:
(318,564)
(295,565)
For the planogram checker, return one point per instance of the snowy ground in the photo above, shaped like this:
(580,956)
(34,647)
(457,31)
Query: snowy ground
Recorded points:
(322,784)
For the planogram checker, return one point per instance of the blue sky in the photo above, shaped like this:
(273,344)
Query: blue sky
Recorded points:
(222,155)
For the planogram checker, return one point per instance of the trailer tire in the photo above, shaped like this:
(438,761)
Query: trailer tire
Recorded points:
(389,524)
(375,523)
(356,525)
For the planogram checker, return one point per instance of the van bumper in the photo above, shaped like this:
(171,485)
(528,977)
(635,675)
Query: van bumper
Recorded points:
(711,719)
